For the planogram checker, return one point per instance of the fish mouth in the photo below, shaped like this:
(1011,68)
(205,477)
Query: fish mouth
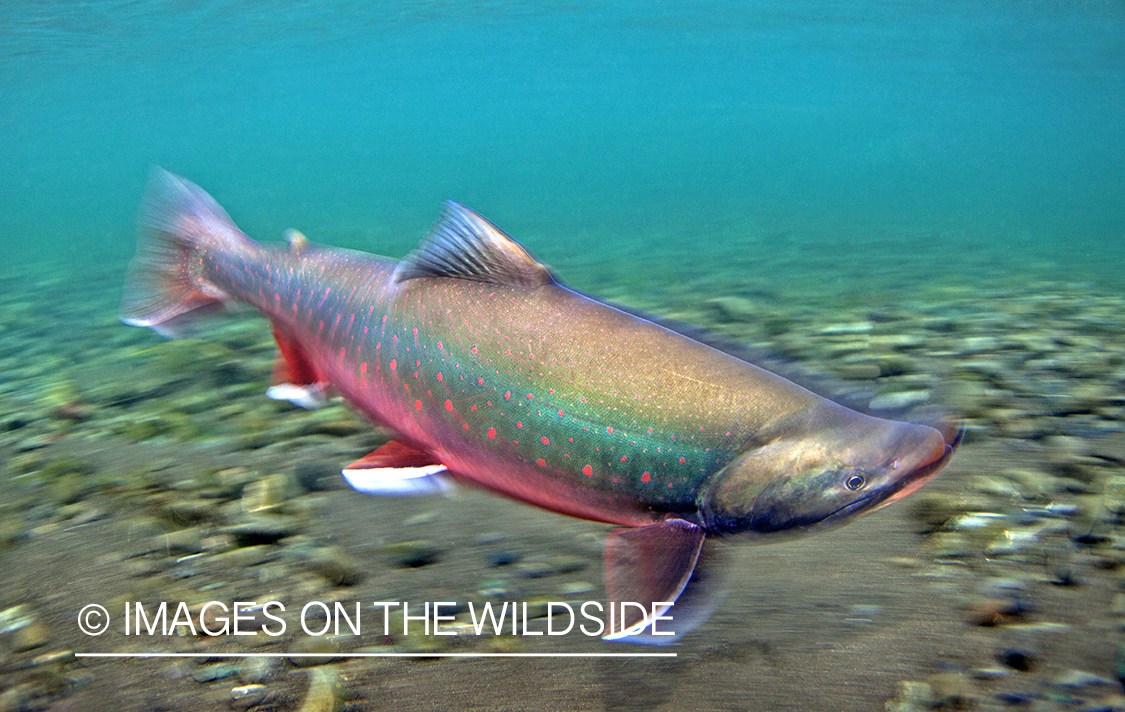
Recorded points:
(918,477)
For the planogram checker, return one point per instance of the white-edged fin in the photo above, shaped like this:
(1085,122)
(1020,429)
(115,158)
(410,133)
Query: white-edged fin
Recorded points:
(309,397)
(463,245)
(399,481)
(397,469)
(646,571)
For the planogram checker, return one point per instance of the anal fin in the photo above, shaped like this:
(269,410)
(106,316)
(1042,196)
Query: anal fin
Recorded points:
(295,378)
(397,469)
(648,569)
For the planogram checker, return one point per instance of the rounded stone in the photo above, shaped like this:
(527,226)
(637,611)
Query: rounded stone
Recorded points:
(413,554)
(247,696)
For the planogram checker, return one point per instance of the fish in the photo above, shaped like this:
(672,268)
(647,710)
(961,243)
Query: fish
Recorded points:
(491,372)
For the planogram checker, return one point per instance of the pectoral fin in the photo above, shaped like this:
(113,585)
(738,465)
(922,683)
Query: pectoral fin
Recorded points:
(651,566)
(397,469)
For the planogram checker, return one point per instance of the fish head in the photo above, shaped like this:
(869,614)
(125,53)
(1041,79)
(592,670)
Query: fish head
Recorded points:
(819,477)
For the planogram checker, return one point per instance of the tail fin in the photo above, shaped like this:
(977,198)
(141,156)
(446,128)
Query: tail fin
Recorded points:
(165,283)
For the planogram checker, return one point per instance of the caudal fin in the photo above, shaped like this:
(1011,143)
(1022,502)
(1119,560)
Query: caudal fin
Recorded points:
(178,225)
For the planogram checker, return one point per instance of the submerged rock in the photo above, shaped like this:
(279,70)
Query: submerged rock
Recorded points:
(247,696)
(413,554)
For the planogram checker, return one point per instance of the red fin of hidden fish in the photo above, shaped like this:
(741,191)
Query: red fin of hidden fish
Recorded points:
(397,469)
(295,378)
(646,566)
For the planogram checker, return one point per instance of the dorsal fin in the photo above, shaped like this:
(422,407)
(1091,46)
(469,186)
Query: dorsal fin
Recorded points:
(463,245)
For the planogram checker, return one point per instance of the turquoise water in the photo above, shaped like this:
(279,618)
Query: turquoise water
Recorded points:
(887,142)
(926,199)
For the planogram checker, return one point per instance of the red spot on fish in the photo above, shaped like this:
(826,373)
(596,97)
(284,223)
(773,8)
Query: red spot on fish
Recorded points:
(492,433)
(588,471)
(560,414)
(701,428)
(472,407)
(393,364)
(582,399)
(480,381)
(570,439)
(439,376)
(473,350)
(417,405)
(541,462)
(519,423)
(342,351)
(363,367)
(624,458)
(682,460)
(646,477)
(415,331)
(669,485)
(448,404)
(465,426)
(544,440)
(609,430)
(394,338)
(507,395)
(530,396)
(507,352)
(650,430)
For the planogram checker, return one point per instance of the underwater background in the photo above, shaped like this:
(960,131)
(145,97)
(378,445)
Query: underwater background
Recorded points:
(925,199)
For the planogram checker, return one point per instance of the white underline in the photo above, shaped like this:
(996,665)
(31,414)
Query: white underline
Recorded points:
(375,655)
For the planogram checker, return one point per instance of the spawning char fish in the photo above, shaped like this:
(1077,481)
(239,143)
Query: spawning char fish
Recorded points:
(492,372)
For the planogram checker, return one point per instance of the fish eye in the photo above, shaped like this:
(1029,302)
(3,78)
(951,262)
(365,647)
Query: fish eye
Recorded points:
(855,482)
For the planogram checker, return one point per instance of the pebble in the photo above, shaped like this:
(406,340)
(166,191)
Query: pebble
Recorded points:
(259,528)
(534,569)
(183,541)
(33,635)
(335,565)
(214,671)
(990,612)
(1079,679)
(1017,658)
(247,696)
(413,554)
(256,670)
(324,691)
(911,697)
(855,327)
(17,698)
(266,493)
(951,690)
(1113,495)
(901,400)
